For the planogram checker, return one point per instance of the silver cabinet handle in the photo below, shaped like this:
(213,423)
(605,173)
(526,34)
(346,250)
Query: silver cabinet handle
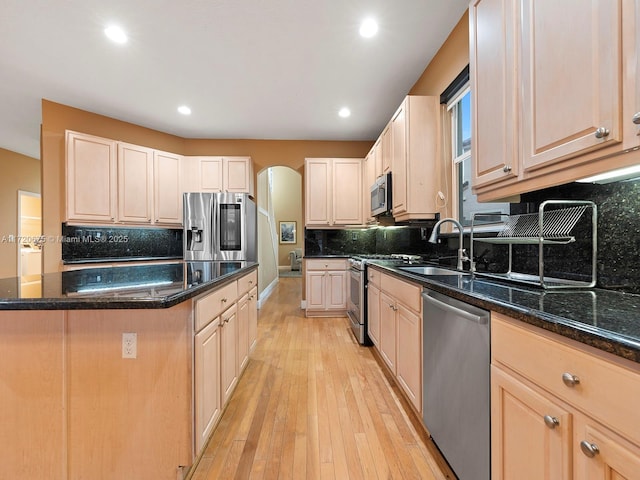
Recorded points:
(551,422)
(224,300)
(636,118)
(589,449)
(506,169)
(570,380)
(602,132)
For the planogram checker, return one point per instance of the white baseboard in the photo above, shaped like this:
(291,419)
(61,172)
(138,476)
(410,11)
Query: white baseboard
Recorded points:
(266,292)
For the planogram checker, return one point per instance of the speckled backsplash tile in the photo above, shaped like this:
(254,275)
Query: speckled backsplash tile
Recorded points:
(99,244)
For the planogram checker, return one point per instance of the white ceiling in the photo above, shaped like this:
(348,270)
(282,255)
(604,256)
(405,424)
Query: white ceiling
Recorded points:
(260,69)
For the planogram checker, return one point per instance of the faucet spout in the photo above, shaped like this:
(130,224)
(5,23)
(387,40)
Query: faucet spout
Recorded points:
(462,256)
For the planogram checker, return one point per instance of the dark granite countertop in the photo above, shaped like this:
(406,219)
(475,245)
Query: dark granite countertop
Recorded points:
(604,319)
(139,286)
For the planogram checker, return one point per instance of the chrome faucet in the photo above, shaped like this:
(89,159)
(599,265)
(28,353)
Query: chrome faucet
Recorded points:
(462,254)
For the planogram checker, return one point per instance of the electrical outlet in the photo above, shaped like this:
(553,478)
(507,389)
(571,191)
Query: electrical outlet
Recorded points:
(129,345)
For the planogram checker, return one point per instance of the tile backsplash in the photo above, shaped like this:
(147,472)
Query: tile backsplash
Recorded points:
(618,242)
(103,244)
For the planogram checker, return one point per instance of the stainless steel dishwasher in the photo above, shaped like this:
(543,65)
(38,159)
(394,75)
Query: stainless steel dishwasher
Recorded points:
(456,383)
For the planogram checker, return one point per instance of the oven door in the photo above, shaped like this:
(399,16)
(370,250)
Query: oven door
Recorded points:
(354,303)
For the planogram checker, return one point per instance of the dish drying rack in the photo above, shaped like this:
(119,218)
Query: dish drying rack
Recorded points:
(545,227)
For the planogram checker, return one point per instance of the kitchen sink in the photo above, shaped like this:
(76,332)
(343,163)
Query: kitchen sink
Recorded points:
(430,270)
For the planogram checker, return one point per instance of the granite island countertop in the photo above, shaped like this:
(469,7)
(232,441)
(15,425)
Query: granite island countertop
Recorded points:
(122,287)
(604,319)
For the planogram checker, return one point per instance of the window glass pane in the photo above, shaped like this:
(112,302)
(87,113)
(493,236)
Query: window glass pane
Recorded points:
(463,114)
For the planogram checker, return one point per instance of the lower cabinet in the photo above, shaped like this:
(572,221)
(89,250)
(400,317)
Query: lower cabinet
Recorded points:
(207,381)
(560,410)
(326,287)
(395,321)
(226,331)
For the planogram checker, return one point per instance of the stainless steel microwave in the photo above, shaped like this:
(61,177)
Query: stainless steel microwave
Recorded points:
(381,196)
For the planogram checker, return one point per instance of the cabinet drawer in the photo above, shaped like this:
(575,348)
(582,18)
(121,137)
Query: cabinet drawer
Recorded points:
(247,282)
(327,264)
(606,391)
(407,293)
(213,304)
(373,276)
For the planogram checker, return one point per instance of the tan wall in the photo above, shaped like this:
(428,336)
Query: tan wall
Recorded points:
(448,62)
(287,206)
(19,172)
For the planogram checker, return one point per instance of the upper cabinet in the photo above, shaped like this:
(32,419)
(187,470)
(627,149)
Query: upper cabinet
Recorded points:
(415,167)
(333,191)
(219,174)
(555,92)
(91,178)
(109,181)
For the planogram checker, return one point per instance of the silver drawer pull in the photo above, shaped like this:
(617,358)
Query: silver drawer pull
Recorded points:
(636,118)
(602,132)
(589,449)
(551,422)
(570,380)
(506,169)
(224,300)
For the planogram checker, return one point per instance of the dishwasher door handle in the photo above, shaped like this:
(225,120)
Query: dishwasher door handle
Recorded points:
(479,319)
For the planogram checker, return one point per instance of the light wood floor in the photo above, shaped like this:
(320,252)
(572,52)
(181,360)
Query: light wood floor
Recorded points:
(312,404)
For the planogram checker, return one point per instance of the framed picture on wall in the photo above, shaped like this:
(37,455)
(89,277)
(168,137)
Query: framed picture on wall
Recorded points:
(288,232)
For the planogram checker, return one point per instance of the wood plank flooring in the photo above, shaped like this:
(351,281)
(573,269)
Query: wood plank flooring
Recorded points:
(312,404)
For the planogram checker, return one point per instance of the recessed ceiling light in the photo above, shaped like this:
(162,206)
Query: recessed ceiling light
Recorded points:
(115,34)
(184,110)
(368,28)
(344,112)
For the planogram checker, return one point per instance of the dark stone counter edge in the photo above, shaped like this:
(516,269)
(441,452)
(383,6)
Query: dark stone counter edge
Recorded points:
(109,303)
(604,340)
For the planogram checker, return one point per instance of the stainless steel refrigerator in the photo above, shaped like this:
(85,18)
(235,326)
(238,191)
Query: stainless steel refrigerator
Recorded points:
(219,227)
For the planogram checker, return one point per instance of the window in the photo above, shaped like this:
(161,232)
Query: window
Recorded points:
(459,108)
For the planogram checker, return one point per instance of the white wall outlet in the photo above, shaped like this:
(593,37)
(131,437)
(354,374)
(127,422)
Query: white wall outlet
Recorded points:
(129,345)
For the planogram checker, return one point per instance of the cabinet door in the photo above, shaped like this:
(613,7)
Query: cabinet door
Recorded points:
(522,435)
(347,191)
(135,185)
(373,314)
(409,359)
(318,191)
(399,159)
(581,43)
(237,172)
(253,318)
(336,290)
(316,286)
(91,175)
(167,188)
(388,330)
(386,149)
(210,174)
(494,96)
(602,455)
(207,381)
(243,332)
(229,353)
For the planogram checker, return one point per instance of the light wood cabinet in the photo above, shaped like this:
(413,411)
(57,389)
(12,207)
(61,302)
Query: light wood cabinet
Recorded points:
(416,169)
(399,331)
(576,67)
(494,91)
(167,187)
(253,318)
(373,313)
(333,192)
(568,413)
(91,178)
(109,181)
(218,174)
(228,352)
(207,382)
(135,183)
(326,287)
(243,332)
(386,149)
(372,168)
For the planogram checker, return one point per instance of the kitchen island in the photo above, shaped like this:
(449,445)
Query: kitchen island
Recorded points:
(78,401)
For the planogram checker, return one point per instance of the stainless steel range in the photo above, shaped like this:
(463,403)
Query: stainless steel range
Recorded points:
(357,300)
